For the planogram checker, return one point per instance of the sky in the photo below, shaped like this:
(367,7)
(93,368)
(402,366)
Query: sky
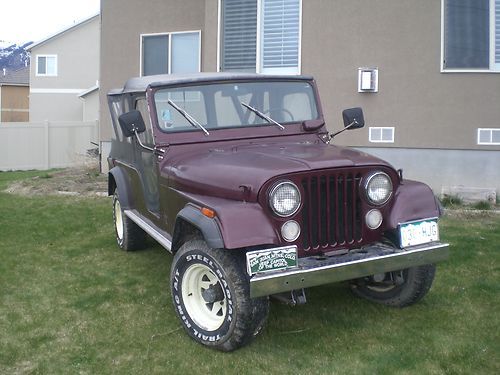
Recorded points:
(33,20)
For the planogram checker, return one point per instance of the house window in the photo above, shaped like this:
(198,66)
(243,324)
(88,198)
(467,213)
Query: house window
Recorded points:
(239,35)
(46,65)
(260,36)
(488,136)
(381,135)
(471,35)
(170,53)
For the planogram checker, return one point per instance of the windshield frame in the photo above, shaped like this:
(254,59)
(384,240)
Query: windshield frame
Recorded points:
(238,131)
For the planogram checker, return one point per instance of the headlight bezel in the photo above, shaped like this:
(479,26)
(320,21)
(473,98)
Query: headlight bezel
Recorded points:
(366,186)
(272,192)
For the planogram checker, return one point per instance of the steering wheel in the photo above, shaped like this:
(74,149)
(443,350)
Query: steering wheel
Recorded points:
(277,110)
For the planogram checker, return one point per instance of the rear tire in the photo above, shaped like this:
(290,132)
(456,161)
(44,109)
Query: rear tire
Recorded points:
(211,296)
(398,289)
(129,235)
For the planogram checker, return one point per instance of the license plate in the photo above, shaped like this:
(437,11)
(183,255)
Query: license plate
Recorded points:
(419,232)
(271,259)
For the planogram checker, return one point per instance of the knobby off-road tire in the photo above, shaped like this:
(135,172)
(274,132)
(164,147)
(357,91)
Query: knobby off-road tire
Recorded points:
(415,284)
(211,296)
(129,235)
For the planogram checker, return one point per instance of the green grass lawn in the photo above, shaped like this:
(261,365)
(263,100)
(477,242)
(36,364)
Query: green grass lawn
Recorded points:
(72,302)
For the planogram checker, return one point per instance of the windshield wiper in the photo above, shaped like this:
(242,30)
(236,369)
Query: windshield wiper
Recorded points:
(263,116)
(188,117)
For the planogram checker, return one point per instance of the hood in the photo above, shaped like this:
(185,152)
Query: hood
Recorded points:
(238,172)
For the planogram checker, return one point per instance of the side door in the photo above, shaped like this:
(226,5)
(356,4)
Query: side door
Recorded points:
(146,162)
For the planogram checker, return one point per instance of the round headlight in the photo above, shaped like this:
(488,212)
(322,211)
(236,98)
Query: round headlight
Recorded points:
(284,199)
(378,188)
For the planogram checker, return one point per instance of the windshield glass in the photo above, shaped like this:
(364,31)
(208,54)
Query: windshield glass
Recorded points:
(217,106)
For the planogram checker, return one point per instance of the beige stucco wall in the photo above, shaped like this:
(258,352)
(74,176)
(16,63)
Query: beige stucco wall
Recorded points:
(77,53)
(123,21)
(14,103)
(403,39)
(428,109)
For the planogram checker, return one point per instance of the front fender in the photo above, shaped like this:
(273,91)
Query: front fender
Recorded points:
(240,224)
(245,224)
(207,226)
(413,201)
(117,179)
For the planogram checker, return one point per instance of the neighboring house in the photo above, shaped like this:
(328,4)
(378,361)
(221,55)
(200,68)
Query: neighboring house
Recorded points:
(90,99)
(14,95)
(425,72)
(64,69)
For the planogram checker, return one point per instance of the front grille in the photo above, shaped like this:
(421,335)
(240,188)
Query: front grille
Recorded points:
(331,213)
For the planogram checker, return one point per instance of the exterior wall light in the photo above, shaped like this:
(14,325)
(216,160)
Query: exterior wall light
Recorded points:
(367,79)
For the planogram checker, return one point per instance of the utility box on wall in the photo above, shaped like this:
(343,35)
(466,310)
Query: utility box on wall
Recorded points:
(368,80)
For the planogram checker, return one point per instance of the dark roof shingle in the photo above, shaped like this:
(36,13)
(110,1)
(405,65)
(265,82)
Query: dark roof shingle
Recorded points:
(19,77)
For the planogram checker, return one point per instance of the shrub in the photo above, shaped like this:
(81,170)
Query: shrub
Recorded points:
(450,201)
(482,205)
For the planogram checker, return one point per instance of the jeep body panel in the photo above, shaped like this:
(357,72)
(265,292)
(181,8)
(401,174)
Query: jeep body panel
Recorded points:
(252,164)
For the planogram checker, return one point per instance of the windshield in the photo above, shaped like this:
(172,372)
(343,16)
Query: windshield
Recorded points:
(217,106)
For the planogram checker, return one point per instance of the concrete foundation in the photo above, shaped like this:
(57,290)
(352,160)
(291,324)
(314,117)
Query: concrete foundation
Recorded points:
(471,170)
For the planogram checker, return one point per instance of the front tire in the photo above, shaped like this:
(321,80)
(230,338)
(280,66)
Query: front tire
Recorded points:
(129,235)
(398,289)
(211,296)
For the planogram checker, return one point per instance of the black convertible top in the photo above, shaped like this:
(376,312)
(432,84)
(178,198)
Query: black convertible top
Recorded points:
(141,84)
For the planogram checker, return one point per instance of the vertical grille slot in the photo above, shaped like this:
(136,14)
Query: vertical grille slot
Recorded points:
(331,213)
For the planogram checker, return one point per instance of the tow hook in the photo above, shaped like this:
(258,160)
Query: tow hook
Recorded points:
(293,298)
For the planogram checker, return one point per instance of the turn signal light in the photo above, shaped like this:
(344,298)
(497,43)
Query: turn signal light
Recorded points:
(208,212)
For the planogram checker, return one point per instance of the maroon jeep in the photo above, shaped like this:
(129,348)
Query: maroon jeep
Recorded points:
(235,175)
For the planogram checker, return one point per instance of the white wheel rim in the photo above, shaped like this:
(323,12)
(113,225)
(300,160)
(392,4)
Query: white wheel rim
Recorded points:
(118,219)
(380,289)
(207,315)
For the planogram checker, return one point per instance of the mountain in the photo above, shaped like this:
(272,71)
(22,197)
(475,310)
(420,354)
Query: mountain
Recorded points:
(13,56)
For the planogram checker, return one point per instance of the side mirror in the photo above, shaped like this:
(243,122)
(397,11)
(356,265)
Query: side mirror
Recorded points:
(132,122)
(353,118)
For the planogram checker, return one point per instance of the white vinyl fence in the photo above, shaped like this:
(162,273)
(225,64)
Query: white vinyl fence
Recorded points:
(45,145)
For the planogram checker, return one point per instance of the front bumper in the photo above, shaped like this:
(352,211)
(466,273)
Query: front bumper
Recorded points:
(370,260)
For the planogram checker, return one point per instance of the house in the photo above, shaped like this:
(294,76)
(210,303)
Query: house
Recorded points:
(90,99)
(64,70)
(425,72)
(14,95)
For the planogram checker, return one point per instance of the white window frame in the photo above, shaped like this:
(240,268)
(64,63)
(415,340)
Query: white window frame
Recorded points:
(169,34)
(490,130)
(258,57)
(46,74)
(381,128)
(494,67)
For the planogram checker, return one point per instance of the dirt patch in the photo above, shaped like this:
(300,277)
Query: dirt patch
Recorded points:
(84,180)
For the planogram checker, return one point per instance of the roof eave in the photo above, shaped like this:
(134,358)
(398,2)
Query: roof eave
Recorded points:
(50,37)
(14,84)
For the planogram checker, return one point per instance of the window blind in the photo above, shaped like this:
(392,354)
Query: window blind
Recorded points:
(497,31)
(239,35)
(467,34)
(280,34)
(185,52)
